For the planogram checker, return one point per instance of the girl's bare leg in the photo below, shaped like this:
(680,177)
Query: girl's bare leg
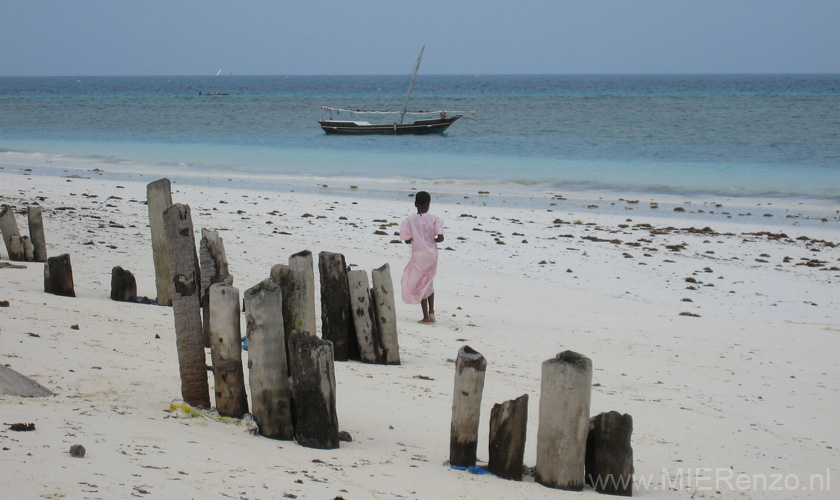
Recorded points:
(431,308)
(424,304)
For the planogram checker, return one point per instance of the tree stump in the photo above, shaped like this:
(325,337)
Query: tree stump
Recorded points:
(609,455)
(508,425)
(336,321)
(226,351)
(214,269)
(16,248)
(9,228)
(267,363)
(370,349)
(159,199)
(58,276)
(36,233)
(123,285)
(292,283)
(466,406)
(304,260)
(382,294)
(186,306)
(313,380)
(565,393)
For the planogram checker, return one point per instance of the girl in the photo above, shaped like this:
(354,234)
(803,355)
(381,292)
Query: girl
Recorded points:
(423,231)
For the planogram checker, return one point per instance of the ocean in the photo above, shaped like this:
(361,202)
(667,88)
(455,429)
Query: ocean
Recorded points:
(721,135)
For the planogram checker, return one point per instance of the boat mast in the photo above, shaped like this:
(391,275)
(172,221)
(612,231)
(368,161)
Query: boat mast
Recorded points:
(416,67)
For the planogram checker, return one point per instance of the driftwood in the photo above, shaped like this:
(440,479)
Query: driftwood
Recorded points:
(9,228)
(226,351)
(36,233)
(565,393)
(466,406)
(58,276)
(336,322)
(508,425)
(609,455)
(370,349)
(267,362)
(313,380)
(186,307)
(159,199)
(382,294)
(123,285)
(304,261)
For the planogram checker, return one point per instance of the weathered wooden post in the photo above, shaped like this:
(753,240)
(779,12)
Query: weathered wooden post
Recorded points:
(508,425)
(123,285)
(226,351)
(16,248)
(466,406)
(186,306)
(159,199)
(268,373)
(565,393)
(336,322)
(214,269)
(313,380)
(370,348)
(382,294)
(58,276)
(304,260)
(292,283)
(609,455)
(36,233)
(9,228)
(28,249)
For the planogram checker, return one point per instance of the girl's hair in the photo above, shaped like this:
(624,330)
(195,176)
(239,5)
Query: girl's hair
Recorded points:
(422,198)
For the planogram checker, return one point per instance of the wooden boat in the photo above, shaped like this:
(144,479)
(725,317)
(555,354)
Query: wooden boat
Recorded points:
(434,125)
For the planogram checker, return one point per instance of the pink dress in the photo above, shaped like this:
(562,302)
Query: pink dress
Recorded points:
(419,274)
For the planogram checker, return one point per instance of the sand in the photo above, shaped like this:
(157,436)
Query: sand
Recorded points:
(715,326)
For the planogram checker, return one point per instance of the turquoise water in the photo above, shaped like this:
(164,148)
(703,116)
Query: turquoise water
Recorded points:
(757,135)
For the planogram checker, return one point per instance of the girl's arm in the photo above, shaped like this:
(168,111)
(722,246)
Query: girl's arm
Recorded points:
(439,238)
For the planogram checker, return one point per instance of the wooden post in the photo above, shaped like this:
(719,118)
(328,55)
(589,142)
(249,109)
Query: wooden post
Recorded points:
(214,269)
(609,455)
(466,406)
(9,228)
(370,349)
(186,306)
(226,351)
(336,322)
(304,260)
(292,283)
(58,276)
(159,199)
(267,363)
(16,248)
(28,249)
(36,233)
(382,294)
(123,285)
(313,380)
(565,393)
(508,425)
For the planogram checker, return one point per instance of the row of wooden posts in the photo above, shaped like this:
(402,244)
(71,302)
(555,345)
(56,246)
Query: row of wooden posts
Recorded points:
(572,449)
(291,372)
(20,247)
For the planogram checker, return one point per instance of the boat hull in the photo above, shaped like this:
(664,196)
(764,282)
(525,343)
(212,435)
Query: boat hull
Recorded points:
(419,127)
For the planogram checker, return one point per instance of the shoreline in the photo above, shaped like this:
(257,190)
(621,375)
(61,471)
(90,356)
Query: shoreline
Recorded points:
(746,385)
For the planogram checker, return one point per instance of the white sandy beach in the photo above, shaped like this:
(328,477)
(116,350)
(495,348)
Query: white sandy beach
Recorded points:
(747,388)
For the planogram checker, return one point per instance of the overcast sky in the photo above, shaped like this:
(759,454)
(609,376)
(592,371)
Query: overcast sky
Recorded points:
(311,37)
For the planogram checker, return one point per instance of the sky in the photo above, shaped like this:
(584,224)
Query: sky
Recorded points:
(329,37)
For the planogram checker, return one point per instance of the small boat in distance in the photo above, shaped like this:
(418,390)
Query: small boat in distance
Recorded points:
(435,125)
